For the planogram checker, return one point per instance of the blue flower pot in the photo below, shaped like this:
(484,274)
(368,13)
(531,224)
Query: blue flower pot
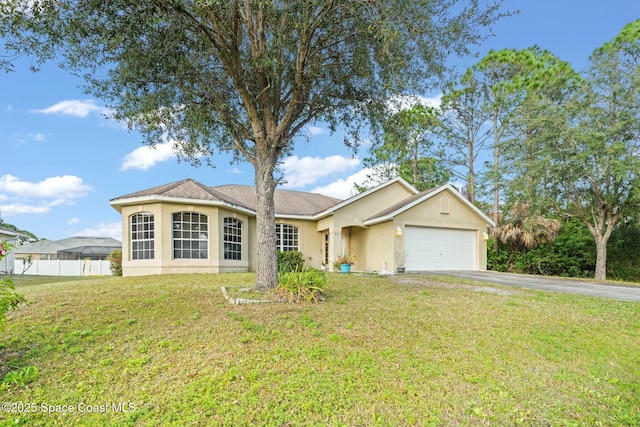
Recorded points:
(345,268)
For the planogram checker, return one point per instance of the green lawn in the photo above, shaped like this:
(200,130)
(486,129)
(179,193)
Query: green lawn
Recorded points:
(168,350)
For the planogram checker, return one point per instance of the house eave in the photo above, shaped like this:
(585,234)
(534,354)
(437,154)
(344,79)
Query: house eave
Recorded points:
(292,216)
(118,203)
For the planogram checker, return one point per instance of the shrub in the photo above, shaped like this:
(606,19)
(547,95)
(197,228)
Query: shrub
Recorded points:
(623,248)
(302,286)
(290,261)
(571,254)
(115,260)
(9,298)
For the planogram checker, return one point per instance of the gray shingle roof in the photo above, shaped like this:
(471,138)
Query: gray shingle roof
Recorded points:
(287,202)
(41,247)
(7,232)
(53,246)
(185,189)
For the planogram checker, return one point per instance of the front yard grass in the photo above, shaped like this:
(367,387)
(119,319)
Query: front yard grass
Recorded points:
(169,350)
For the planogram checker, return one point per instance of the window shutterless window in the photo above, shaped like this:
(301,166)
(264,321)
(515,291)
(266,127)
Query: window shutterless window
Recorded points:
(142,236)
(190,235)
(232,239)
(286,237)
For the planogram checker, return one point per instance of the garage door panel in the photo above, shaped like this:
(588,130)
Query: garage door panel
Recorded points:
(439,249)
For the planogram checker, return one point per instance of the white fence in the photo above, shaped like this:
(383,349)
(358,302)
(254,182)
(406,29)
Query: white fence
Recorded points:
(64,268)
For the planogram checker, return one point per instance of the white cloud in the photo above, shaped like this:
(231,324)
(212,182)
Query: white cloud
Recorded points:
(54,191)
(72,107)
(38,137)
(315,130)
(19,209)
(307,170)
(103,229)
(73,221)
(145,157)
(344,188)
(57,187)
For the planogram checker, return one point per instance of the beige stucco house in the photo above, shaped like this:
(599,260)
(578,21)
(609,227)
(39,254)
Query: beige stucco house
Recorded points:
(187,227)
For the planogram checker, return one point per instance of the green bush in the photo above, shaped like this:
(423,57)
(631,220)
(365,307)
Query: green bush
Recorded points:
(623,253)
(302,286)
(9,299)
(572,254)
(115,260)
(290,261)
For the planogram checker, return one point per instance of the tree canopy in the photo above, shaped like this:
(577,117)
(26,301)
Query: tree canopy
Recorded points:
(406,149)
(246,76)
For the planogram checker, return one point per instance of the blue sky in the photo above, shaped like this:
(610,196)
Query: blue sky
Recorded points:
(61,160)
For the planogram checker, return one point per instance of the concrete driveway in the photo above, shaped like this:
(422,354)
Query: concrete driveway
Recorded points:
(572,286)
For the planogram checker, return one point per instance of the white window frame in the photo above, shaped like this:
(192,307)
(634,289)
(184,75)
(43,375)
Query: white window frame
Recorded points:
(142,233)
(232,239)
(287,237)
(189,235)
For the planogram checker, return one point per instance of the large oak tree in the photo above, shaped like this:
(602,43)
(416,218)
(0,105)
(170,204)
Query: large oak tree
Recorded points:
(246,76)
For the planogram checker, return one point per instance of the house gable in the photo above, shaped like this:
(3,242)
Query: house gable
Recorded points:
(445,195)
(354,211)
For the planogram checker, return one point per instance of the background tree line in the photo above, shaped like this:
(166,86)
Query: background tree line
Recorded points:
(550,153)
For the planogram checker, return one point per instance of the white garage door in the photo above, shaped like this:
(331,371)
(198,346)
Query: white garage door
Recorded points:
(439,249)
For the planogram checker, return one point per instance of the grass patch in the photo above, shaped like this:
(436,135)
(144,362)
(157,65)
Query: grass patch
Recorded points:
(21,280)
(169,350)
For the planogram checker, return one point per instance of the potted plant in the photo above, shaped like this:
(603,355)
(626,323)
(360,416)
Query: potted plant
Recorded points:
(344,262)
(401,258)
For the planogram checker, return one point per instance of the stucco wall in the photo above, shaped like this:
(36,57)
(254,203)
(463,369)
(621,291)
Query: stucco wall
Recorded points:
(348,234)
(359,210)
(163,262)
(309,240)
(459,216)
(381,244)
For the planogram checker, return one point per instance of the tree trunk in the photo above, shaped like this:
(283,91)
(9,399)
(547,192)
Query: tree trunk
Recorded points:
(496,178)
(267,259)
(471,178)
(601,259)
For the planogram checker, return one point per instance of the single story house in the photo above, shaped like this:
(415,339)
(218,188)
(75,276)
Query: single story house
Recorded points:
(71,248)
(187,227)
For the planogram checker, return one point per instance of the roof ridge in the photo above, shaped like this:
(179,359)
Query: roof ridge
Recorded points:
(208,189)
(280,190)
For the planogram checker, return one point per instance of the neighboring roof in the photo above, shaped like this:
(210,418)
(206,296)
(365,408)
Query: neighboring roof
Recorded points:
(72,242)
(7,232)
(40,247)
(287,202)
(54,246)
(412,201)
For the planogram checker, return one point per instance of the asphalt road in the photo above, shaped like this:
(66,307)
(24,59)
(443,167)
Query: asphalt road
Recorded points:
(580,287)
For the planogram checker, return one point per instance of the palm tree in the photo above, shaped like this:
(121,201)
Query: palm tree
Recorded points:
(524,230)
